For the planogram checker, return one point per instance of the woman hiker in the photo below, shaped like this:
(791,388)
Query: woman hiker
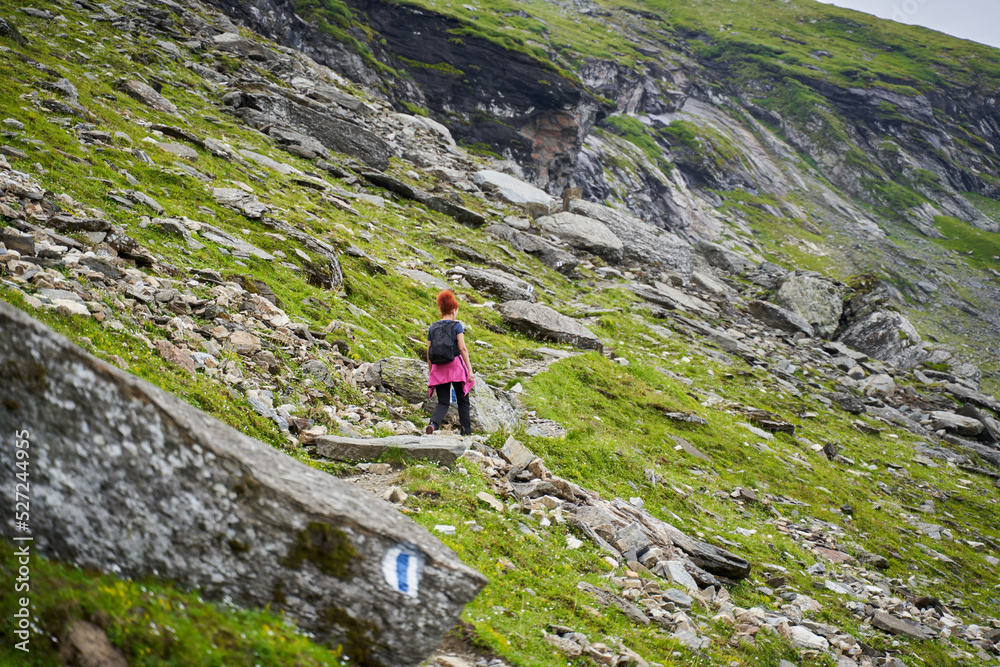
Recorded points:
(448,364)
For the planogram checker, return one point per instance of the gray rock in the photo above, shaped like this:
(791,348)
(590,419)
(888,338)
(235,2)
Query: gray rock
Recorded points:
(678,574)
(805,638)
(144,199)
(547,252)
(674,299)
(880,385)
(817,300)
(887,336)
(145,94)
(244,202)
(779,318)
(216,235)
(516,453)
(422,277)
(584,234)
(678,597)
(235,43)
(262,110)
(901,626)
(949,421)
(609,599)
(435,203)
(439,449)
(270,163)
(643,243)
(501,285)
(406,377)
(720,258)
(14,240)
(510,189)
(141,483)
(180,150)
(545,323)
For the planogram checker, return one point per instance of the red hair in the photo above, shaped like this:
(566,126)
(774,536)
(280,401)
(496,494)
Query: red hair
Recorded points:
(447,303)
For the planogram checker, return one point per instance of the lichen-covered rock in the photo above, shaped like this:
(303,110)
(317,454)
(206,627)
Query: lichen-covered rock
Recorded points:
(817,300)
(887,336)
(129,479)
(543,322)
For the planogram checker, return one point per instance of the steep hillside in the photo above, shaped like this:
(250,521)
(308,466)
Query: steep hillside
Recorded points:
(677,111)
(708,432)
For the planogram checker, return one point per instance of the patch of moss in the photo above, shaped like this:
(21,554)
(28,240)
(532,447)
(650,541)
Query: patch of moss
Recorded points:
(326,547)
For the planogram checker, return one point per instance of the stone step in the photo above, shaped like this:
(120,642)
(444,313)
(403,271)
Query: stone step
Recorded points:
(437,448)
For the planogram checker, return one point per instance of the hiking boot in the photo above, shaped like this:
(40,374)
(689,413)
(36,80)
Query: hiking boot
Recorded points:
(429,430)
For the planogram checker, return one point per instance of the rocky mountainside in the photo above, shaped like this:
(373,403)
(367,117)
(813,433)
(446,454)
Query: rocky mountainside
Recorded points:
(728,295)
(793,130)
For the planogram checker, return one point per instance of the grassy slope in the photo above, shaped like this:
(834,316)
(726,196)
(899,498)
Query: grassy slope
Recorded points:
(610,443)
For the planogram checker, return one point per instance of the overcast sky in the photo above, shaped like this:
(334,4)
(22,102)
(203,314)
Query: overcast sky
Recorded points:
(978,20)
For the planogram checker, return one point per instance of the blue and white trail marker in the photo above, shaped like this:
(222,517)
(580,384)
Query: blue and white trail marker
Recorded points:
(402,567)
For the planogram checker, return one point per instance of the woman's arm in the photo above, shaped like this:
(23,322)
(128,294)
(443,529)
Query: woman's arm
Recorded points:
(465,352)
(429,364)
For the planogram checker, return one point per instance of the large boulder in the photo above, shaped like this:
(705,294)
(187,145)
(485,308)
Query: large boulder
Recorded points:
(779,318)
(887,336)
(545,323)
(490,409)
(262,110)
(547,252)
(817,300)
(721,258)
(510,189)
(129,479)
(643,243)
(500,284)
(584,233)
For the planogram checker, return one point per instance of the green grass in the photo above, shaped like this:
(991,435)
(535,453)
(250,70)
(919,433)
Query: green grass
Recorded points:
(152,622)
(981,249)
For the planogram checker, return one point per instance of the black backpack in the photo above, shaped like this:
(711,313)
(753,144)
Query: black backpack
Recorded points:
(444,348)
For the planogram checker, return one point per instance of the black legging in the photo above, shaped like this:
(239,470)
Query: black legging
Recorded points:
(444,402)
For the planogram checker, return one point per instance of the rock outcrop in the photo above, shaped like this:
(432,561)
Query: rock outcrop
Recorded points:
(887,336)
(817,300)
(545,323)
(584,233)
(131,480)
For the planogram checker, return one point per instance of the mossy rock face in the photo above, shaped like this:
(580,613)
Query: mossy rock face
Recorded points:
(406,377)
(326,547)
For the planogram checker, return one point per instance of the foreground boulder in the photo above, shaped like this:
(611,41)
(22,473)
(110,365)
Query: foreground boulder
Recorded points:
(545,323)
(127,478)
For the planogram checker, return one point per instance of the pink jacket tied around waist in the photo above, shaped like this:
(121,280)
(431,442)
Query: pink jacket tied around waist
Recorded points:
(453,371)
